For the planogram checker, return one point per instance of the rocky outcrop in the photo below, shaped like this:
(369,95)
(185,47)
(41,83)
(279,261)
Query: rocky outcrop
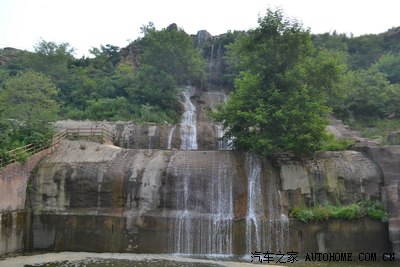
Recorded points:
(130,55)
(14,217)
(388,159)
(343,177)
(104,198)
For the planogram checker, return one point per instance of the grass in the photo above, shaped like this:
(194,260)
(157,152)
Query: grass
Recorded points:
(365,208)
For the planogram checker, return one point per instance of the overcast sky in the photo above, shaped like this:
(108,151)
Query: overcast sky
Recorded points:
(90,23)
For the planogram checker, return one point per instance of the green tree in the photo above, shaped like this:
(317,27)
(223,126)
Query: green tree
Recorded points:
(365,50)
(370,95)
(331,41)
(172,51)
(29,96)
(108,108)
(28,101)
(53,59)
(154,87)
(389,64)
(279,102)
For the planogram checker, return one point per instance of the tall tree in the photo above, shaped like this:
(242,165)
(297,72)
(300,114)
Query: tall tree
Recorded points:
(172,51)
(279,102)
(28,101)
(29,96)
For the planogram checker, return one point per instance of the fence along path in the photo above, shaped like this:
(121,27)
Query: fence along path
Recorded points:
(93,134)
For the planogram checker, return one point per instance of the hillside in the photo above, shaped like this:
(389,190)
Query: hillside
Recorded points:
(142,82)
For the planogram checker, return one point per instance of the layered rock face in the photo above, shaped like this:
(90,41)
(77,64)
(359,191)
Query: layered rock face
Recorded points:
(104,198)
(388,158)
(14,215)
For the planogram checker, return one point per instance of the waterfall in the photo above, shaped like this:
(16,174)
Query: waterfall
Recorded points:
(223,144)
(210,66)
(282,227)
(256,221)
(188,122)
(170,135)
(203,222)
(264,233)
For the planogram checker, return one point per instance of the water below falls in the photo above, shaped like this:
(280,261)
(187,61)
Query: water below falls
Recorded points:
(87,259)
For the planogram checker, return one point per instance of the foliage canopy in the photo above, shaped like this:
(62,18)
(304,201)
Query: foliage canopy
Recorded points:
(280,100)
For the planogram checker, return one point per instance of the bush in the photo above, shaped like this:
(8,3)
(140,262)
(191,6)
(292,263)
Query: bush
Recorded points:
(4,155)
(302,213)
(372,209)
(321,213)
(331,143)
(23,156)
(348,212)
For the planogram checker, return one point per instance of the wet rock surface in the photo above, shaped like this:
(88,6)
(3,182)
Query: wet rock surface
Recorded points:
(104,198)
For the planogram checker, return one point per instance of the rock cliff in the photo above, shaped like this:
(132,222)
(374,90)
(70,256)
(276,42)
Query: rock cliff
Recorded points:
(388,159)
(14,215)
(104,198)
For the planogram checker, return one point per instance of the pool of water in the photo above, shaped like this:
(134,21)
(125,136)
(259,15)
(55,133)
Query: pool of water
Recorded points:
(93,262)
(83,259)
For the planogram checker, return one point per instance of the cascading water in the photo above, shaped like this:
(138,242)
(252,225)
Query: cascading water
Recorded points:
(188,122)
(282,228)
(256,222)
(170,135)
(204,219)
(222,143)
(264,233)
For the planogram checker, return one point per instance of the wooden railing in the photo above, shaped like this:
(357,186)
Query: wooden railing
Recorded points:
(92,134)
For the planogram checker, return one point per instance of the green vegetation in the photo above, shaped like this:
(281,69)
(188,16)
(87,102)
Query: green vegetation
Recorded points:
(287,80)
(377,129)
(284,81)
(28,103)
(372,209)
(38,88)
(280,100)
(104,87)
(333,144)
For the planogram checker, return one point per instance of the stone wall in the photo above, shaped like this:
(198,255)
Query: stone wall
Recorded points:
(14,217)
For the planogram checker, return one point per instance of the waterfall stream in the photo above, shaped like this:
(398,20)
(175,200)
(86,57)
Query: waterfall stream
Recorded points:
(188,121)
(256,222)
(264,233)
(223,144)
(170,135)
(203,223)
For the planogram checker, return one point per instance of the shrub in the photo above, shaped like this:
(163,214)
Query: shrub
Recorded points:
(321,213)
(348,212)
(372,209)
(333,144)
(302,213)
(23,156)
